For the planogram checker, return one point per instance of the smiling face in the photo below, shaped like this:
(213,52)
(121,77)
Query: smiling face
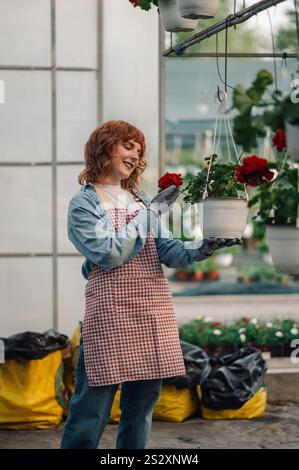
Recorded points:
(124,160)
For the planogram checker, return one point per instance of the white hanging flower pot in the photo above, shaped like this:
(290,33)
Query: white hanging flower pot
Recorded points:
(196,9)
(292,135)
(284,247)
(171,18)
(223,217)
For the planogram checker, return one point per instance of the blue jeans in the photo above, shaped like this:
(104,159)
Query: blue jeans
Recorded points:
(90,407)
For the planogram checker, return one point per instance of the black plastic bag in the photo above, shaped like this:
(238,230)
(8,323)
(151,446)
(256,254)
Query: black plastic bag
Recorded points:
(31,345)
(197,364)
(234,379)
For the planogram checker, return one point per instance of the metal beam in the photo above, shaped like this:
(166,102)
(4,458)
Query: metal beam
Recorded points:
(231,20)
(161,104)
(241,55)
(16,254)
(12,163)
(54,168)
(45,68)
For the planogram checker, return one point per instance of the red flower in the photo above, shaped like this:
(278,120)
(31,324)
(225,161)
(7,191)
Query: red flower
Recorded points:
(216,323)
(279,140)
(245,319)
(254,171)
(135,4)
(170,178)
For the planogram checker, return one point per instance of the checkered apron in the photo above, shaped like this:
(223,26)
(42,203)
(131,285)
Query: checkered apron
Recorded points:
(129,328)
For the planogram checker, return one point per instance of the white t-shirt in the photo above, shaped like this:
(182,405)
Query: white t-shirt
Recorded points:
(119,197)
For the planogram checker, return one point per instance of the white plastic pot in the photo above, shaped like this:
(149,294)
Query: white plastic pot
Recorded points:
(171,18)
(196,9)
(223,217)
(284,247)
(292,135)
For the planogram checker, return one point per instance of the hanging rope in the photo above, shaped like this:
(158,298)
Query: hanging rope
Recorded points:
(222,118)
(225,61)
(217,64)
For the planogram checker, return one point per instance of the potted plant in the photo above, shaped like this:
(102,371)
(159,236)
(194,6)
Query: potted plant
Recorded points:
(198,274)
(223,213)
(170,16)
(198,8)
(184,274)
(210,270)
(276,203)
(284,116)
(206,270)
(248,124)
(278,112)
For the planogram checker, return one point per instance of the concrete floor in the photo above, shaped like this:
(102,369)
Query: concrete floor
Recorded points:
(278,429)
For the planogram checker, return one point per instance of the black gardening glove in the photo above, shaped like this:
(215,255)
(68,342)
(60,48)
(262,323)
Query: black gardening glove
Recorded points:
(164,199)
(211,244)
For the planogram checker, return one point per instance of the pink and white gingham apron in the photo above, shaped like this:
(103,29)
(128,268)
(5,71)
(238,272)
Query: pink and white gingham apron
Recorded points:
(129,329)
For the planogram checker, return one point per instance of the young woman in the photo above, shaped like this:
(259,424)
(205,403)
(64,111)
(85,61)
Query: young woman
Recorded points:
(129,333)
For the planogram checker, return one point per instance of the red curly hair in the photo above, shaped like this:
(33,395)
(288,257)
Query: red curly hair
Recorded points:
(97,153)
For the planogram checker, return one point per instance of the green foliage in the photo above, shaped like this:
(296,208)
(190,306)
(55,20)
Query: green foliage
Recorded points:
(282,110)
(277,200)
(147,4)
(258,230)
(248,127)
(261,272)
(287,35)
(221,182)
(206,333)
(207,266)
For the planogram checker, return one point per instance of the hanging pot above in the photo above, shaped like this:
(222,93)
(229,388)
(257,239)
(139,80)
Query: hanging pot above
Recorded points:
(171,18)
(196,9)
(284,247)
(292,135)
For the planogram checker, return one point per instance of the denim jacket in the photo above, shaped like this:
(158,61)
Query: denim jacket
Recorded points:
(91,232)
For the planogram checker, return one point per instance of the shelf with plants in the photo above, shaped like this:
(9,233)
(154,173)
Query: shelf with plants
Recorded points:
(274,336)
(207,270)
(262,273)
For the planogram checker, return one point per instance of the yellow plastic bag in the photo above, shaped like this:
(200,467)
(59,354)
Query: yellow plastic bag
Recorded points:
(32,394)
(115,410)
(253,408)
(175,404)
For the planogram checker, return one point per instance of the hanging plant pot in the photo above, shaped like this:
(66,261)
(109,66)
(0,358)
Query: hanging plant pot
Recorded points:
(284,247)
(196,9)
(223,217)
(292,135)
(171,18)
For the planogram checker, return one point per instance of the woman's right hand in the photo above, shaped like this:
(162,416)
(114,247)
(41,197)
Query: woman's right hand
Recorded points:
(162,202)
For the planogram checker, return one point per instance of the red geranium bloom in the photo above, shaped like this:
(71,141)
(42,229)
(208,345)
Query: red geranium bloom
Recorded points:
(216,323)
(169,179)
(279,140)
(245,319)
(254,171)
